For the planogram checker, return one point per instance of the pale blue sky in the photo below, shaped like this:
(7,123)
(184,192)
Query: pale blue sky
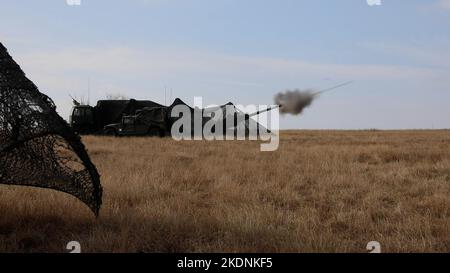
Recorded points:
(244,51)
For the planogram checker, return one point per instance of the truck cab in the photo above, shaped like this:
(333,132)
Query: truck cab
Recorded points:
(82,118)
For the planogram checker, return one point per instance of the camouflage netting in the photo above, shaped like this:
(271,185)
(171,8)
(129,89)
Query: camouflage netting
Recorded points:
(37,147)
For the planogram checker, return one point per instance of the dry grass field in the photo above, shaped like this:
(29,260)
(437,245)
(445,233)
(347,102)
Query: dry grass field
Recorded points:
(322,191)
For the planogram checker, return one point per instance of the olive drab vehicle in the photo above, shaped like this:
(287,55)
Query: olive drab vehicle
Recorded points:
(86,119)
(150,121)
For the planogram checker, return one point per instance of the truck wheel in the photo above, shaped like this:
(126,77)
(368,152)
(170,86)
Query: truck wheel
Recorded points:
(111,132)
(155,131)
(161,133)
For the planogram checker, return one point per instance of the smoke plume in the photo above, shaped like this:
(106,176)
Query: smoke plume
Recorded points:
(295,101)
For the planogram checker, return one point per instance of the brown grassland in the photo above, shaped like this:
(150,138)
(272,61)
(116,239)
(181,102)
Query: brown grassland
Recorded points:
(322,191)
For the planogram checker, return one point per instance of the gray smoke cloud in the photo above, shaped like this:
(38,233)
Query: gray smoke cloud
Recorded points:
(295,101)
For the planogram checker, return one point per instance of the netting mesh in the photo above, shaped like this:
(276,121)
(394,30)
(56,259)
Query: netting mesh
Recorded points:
(37,147)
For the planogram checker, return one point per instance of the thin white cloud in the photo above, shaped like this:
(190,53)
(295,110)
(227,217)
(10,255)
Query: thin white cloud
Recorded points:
(156,63)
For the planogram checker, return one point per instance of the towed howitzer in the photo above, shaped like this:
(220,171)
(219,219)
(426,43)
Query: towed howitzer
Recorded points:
(248,116)
(245,117)
(239,118)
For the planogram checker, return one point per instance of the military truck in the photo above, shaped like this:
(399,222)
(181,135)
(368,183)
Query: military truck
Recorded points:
(86,119)
(150,121)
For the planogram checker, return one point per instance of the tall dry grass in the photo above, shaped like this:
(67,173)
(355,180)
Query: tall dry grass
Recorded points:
(322,191)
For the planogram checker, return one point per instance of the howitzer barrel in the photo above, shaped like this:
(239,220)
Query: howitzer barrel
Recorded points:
(265,110)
